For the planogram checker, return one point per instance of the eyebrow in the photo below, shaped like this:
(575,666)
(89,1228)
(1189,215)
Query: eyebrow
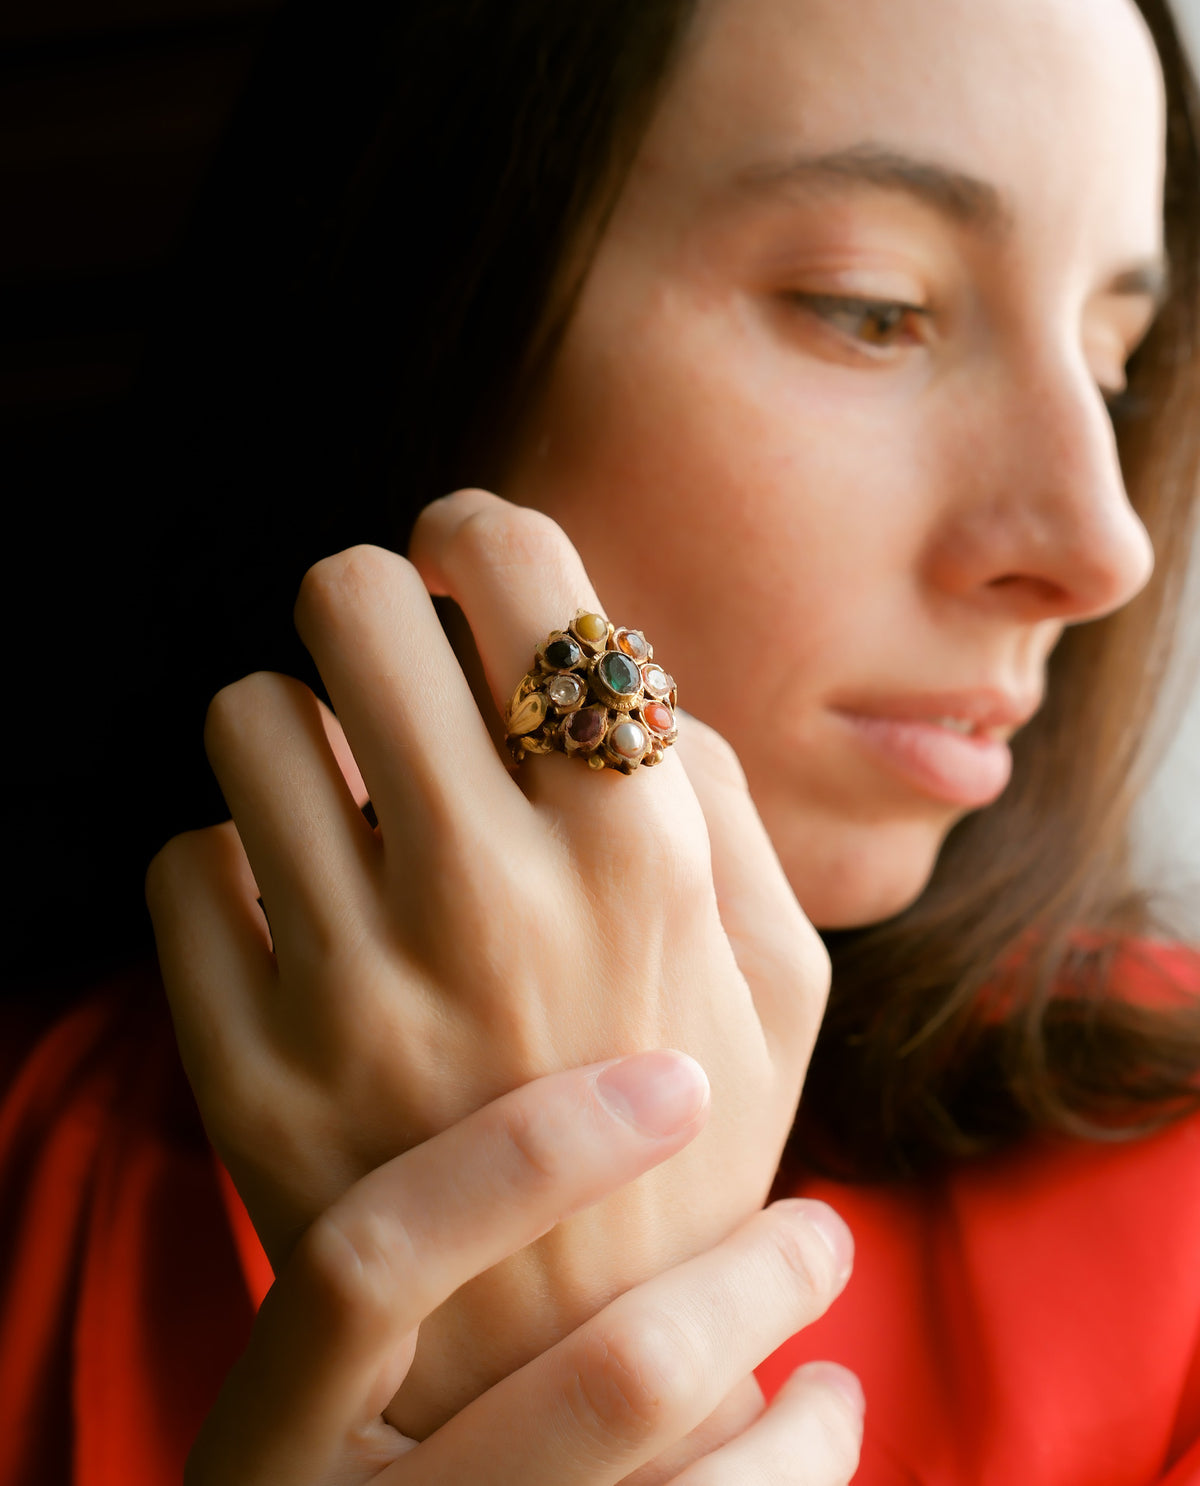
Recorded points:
(963,198)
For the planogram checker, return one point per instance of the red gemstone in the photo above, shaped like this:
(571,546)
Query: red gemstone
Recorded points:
(658,717)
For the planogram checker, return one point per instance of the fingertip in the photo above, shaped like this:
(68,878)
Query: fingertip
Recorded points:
(828,1226)
(836,1378)
(658,1094)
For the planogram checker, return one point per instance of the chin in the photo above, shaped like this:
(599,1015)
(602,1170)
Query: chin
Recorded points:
(863,878)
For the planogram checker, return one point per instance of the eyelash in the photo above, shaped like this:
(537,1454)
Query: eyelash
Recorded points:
(896,315)
(1122,404)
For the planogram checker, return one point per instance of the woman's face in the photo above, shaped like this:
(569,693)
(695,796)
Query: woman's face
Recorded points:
(829,422)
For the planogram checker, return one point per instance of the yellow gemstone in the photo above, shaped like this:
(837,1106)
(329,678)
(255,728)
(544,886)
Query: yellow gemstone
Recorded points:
(591,627)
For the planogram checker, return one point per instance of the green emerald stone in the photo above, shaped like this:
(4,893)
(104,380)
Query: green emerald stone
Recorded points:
(619,673)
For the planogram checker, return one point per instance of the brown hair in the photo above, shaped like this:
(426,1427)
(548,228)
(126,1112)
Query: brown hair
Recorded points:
(385,246)
(990,1007)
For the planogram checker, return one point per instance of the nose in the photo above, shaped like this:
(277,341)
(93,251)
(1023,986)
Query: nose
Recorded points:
(1042,525)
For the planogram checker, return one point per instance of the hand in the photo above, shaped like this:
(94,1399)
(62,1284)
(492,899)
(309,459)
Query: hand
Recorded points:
(491,930)
(634,1385)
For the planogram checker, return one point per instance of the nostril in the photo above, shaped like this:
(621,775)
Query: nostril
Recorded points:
(1042,589)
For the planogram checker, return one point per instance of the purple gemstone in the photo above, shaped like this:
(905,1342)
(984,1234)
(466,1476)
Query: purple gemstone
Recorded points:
(586,728)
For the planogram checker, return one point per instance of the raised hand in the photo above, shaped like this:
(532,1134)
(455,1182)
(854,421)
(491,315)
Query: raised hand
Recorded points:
(630,1395)
(490,930)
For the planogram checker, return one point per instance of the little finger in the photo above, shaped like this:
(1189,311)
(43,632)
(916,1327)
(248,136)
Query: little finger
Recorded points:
(214,946)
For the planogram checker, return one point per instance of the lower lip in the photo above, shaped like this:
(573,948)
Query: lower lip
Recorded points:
(961,770)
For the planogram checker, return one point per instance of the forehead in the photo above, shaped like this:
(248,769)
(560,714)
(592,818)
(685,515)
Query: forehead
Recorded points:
(1057,103)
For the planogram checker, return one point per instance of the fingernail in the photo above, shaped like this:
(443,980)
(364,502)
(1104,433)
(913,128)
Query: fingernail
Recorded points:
(822,1218)
(657,1093)
(840,1379)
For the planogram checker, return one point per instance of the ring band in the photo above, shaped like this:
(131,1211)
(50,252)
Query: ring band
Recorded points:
(597,693)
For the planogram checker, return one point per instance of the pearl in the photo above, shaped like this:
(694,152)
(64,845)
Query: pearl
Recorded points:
(628,740)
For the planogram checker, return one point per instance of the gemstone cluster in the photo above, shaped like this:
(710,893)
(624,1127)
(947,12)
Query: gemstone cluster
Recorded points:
(595,691)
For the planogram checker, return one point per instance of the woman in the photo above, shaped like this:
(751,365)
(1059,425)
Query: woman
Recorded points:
(811,374)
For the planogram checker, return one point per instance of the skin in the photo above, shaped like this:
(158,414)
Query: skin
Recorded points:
(912,512)
(810,501)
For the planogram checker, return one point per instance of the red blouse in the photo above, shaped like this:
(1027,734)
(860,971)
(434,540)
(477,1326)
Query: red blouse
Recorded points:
(1029,1320)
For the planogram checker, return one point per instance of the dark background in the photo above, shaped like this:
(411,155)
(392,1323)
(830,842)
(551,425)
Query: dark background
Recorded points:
(110,113)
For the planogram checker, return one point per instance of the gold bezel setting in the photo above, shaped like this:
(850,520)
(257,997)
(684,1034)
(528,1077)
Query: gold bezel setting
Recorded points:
(595,692)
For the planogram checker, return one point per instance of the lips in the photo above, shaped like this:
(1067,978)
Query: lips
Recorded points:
(949,746)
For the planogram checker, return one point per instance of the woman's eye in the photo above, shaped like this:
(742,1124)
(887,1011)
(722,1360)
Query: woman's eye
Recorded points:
(881,323)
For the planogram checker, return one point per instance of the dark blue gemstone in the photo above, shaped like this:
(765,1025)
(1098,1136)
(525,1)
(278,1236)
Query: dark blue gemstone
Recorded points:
(561,655)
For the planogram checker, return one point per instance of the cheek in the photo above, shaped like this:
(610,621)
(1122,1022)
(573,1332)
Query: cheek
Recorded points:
(725,496)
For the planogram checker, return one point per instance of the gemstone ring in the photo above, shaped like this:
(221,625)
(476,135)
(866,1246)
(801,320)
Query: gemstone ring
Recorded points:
(595,692)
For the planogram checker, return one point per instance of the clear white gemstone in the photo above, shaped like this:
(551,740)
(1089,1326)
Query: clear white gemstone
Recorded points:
(658,683)
(565,691)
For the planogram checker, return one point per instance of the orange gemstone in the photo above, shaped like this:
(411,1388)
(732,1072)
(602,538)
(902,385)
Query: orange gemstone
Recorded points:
(633,643)
(658,717)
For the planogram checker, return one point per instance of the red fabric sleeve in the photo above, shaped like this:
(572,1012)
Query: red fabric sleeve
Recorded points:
(122,1304)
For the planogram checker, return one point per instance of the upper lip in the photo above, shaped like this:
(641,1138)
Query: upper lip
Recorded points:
(989,710)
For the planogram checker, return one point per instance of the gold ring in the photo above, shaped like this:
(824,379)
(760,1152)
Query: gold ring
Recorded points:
(597,693)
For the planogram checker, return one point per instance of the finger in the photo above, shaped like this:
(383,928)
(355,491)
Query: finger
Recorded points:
(512,571)
(516,576)
(214,946)
(407,710)
(335,1336)
(732,1417)
(810,1436)
(339,746)
(652,1366)
(776,948)
(311,850)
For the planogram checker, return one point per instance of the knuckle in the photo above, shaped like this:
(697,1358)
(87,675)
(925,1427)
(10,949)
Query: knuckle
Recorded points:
(351,1268)
(345,580)
(173,870)
(506,536)
(633,1380)
(238,709)
(540,1156)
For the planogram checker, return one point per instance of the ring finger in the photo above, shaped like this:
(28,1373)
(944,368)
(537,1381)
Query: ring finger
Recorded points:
(517,578)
